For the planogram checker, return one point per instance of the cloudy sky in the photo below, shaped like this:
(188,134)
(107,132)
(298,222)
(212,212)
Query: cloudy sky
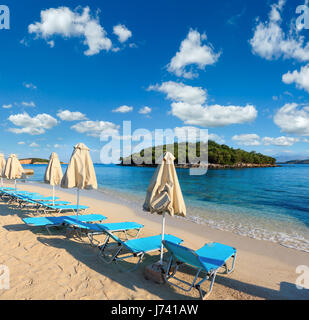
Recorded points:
(71,71)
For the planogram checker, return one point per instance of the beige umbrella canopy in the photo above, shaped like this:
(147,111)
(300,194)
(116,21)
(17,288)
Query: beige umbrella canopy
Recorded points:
(13,169)
(2,165)
(80,172)
(164,193)
(53,173)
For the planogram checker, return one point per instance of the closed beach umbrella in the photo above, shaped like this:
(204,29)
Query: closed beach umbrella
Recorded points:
(53,173)
(164,193)
(80,172)
(13,169)
(2,165)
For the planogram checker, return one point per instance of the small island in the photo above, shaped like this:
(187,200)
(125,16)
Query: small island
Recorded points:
(220,156)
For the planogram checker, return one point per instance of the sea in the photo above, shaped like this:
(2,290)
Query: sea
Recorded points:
(262,203)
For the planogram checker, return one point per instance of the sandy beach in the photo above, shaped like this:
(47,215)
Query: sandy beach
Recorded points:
(44,266)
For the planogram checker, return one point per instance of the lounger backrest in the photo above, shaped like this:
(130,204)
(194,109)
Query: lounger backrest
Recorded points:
(183,254)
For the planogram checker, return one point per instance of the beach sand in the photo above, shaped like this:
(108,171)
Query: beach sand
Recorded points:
(44,266)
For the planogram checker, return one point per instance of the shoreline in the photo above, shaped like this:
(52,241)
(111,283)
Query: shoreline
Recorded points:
(244,229)
(175,222)
(210,166)
(264,270)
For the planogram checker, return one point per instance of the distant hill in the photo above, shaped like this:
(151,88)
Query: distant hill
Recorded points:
(219,155)
(35,161)
(296,162)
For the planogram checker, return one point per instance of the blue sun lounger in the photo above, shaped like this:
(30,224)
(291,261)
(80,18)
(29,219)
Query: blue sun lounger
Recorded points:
(23,200)
(49,222)
(3,189)
(91,229)
(48,207)
(16,195)
(40,201)
(206,261)
(134,248)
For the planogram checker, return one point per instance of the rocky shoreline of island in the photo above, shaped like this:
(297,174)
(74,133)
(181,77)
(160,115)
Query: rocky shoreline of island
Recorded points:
(211,166)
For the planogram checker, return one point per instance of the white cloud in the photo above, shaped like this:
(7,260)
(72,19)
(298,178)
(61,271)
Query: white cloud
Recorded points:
(96,128)
(67,115)
(254,140)
(293,119)
(64,22)
(216,138)
(144,110)
(29,85)
(28,104)
(300,78)
(270,42)
(132,45)
(51,43)
(6,106)
(181,92)
(32,125)
(194,134)
(280,141)
(24,42)
(214,115)
(123,109)
(21,142)
(251,139)
(34,145)
(191,134)
(122,32)
(57,146)
(189,106)
(192,52)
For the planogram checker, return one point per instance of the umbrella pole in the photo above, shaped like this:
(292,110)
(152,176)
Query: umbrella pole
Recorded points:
(162,238)
(53,195)
(77,204)
(15,183)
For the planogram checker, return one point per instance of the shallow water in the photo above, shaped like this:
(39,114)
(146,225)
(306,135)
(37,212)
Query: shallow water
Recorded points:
(263,203)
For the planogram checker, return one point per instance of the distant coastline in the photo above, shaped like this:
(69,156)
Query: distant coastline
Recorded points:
(35,161)
(295,162)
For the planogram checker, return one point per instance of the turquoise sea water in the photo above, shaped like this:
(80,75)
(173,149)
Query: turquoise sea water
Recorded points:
(263,203)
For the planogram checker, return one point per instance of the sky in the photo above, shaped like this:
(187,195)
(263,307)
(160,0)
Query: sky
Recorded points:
(73,71)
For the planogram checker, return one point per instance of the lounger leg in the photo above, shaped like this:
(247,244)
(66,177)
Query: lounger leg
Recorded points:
(90,238)
(169,268)
(113,258)
(227,270)
(203,295)
(137,264)
(48,230)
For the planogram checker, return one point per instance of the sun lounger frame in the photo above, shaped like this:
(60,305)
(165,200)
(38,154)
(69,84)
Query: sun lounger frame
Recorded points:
(63,221)
(122,245)
(85,229)
(174,265)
